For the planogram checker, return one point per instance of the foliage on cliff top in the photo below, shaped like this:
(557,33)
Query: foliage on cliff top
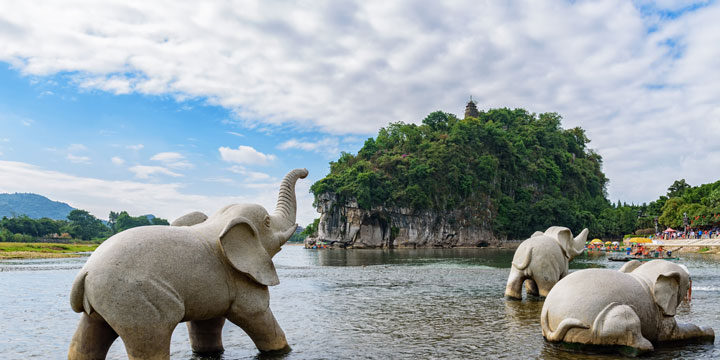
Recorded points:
(515,170)
(700,203)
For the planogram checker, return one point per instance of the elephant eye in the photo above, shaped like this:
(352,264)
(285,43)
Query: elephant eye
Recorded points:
(267,221)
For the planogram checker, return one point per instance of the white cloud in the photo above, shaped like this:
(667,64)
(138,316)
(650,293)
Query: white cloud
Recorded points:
(135,147)
(245,155)
(167,156)
(166,200)
(78,159)
(77,147)
(173,160)
(328,146)
(146,172)
(626,74)
(249,176)
(235,133)
(4,140)
(117,160)
(26,122)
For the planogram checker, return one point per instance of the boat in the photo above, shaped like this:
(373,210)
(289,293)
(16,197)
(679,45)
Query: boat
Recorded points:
(639,258)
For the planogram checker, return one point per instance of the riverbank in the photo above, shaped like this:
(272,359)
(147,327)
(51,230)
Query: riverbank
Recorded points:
(11,250)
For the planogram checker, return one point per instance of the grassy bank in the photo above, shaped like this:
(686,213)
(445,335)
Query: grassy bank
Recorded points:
(13,250)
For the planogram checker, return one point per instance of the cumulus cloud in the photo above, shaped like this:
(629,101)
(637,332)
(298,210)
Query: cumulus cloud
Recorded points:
(623,70)
(146,172)
(78,159)
(172,159)
(166,200)
(117,160)
(77,147)
(245,155)
(249,176)
(328,146)
(167,156)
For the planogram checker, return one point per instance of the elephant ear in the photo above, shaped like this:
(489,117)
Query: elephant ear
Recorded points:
(665,292)
(242,248)
(537,233)
(564,238)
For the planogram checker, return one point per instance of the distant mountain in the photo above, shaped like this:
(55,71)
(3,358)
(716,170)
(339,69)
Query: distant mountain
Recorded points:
(33,205)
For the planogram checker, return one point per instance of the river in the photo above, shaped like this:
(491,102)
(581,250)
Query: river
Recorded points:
(366,304)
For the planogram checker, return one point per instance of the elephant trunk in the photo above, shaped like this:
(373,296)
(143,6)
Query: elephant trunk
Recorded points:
(284,214)
(579,243)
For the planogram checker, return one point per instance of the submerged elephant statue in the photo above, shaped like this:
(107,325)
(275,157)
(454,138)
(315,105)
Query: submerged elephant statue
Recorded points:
(142,282)
(542,260)
(629,309)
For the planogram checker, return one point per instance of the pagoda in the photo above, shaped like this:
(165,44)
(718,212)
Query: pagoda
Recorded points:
(471,110)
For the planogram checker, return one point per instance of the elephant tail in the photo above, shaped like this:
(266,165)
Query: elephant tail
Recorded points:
(525,255)
(78,301)
(562,329)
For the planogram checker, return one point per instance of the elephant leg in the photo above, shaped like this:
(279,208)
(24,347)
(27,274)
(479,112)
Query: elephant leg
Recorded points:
(531,287)
(687,332)
(92,338)
(545,283)
(514,284)
(206,335)
(262,328)
(147,343)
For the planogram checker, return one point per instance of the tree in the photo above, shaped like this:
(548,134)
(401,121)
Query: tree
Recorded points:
(677,188)
(509,168)
(85,226)
(124,221)
(311,229)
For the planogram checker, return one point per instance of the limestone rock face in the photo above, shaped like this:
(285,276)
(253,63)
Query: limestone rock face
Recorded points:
(347,225)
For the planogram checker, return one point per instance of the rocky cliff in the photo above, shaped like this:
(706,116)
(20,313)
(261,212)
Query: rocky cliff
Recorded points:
(346,225)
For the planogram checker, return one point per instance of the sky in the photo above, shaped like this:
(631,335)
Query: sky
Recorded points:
(167,107)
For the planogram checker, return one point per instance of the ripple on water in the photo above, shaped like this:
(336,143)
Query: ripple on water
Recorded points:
(368,304)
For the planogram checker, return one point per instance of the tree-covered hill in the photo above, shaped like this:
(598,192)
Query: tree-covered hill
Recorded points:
(33,205)
(701,204)
(518,171)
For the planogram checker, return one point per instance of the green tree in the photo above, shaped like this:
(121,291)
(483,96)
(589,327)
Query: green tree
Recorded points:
(677,188)
(85,226)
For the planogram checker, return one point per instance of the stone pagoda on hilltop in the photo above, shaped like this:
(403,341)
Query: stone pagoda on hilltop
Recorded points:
(471,110)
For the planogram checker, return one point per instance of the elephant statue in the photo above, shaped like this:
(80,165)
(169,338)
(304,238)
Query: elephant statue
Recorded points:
(140,283)
(625,311)
(542,260)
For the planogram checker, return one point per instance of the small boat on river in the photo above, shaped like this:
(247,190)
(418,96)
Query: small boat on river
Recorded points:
(639,258)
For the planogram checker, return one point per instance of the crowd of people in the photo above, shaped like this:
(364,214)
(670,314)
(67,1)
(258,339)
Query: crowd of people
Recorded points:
(670,234)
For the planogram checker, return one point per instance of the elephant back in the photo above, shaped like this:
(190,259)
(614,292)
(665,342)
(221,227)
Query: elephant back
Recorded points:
(566,300)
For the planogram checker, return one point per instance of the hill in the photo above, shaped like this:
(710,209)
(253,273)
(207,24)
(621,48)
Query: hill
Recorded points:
(33,205)
(462,182)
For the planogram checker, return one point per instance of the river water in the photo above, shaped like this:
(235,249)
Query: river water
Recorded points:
(364,304)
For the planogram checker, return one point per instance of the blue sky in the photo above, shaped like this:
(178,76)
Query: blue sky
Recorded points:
(171,107)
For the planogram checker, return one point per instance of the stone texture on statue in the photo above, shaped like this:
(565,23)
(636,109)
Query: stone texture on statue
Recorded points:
(345,224)
(190,219)
(142,282)
(542,260)
(629,309)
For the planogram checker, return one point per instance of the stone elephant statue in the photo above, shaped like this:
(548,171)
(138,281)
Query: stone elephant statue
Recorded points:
(140,283)
(542,260)
(629,309)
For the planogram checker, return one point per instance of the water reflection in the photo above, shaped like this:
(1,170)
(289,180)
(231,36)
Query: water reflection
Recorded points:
(369,304)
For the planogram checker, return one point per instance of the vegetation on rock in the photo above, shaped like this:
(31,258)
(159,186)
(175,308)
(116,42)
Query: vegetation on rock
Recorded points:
(517,171)
(514,171)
